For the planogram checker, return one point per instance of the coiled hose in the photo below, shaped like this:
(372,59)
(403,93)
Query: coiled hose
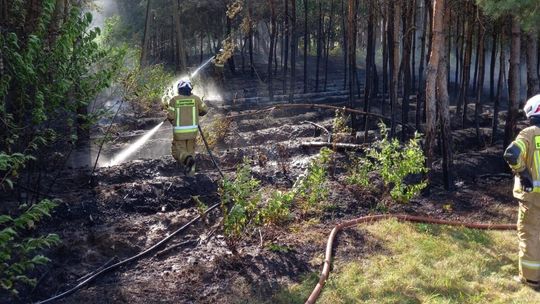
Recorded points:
(400,217)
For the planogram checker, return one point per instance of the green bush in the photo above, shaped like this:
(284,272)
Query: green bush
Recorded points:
(239,201)
(341,122)
(310,189)
(277,209)
(394,163)
(18,254)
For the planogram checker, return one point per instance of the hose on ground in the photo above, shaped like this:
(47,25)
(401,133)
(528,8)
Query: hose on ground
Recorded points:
(210,152)
(400,217)
(128,260)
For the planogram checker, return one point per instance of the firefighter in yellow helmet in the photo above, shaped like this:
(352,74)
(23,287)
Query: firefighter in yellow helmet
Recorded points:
(523,156)
(183,113)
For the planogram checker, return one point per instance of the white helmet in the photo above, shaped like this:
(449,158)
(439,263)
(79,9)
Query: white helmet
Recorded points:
(532,107)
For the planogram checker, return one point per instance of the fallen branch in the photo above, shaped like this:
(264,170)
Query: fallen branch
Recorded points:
(320,144)
(321,127)
(166,250)
(317,106)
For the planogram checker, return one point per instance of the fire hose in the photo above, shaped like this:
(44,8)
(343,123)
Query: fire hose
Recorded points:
(400,217)
(102,270)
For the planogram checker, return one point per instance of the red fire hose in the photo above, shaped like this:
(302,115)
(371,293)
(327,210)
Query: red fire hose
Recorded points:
(400,217)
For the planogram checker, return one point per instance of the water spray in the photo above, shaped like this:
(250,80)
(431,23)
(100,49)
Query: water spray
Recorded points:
(122,156)
(168,94)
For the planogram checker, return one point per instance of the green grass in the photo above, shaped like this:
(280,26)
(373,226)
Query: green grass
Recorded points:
(424,264)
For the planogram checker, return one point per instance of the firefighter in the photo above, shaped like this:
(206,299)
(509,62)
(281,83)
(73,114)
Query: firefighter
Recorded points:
(523,156)
(183,113)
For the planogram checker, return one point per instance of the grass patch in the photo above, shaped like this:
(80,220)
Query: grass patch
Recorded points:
(425,264)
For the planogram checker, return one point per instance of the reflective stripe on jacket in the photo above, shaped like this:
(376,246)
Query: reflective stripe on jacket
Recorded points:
(183,113)
(524,154)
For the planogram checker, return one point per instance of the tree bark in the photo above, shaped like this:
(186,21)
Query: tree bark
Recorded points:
(272,46)
(146,36)
(431,84)
(533,87)
(306,42)
(406,63)
(370,62)
(444,109)
(480,84)
(287,42)
(513,83)
(500,83)
(465,78)
(493,64)
(351,33)
(319,46)
(421,79)
(394,86)
(294,48)
(330,36)
(181,51)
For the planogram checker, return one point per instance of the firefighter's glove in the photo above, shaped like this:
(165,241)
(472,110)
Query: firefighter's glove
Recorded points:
(526,181)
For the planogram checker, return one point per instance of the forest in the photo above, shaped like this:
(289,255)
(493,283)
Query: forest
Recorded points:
(335,151)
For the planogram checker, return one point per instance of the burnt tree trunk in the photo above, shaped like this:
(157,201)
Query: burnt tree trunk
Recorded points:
(532,61)
(272,46)
(394,85)
(443,108)
(146,36)
(493,63)
(437,48)
(294,48)
(500,84)
(513,84)
(329,37)
(466,73)
(319,46)
(480,84)
(406,64)
(370,62)
(306,42)
(287,42)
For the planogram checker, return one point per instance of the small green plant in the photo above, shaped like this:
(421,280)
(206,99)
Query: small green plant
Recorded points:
(277,209)
(310,188)
(239,201)
(341,122)
(18,255)
(278,248)
(394,163)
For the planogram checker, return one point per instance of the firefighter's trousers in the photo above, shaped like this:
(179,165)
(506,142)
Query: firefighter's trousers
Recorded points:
(528,226)
(182,149)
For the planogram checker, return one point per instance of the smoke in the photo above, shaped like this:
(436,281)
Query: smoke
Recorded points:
(103,9)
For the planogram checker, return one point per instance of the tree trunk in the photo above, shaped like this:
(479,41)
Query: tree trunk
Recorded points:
(394,86)
(444,109)
(294,48)
(181,51)
(345,46)
(532,61)
(431,84)
(250,37)
(330,36)
(385,59)
(513,84)
(465,78)
(146,36)
(492,64)
(370,62)
(406,64)
(500,84)
(421,80)
(306,42)
(319,46)
(351,33)
(272,46)
(287,42)
(480,84)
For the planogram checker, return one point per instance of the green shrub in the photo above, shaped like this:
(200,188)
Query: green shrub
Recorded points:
(394,163)
(18,254)
(341,122)
(239,201)
(310,189)
(277,209)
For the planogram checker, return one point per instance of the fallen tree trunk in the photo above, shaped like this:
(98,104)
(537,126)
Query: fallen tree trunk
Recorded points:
(320,144)
(315,106)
